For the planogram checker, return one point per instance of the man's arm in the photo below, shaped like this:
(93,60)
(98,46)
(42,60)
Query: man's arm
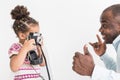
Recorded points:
(83,64)
(100,49)
(100,73)
(109,62)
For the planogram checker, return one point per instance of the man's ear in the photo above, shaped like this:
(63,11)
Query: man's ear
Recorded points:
(22,35)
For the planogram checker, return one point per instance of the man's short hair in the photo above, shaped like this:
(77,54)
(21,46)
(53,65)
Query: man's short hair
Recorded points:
(115,9)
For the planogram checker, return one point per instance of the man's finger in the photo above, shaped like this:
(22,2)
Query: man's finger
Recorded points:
(92,44)
(78,69)
(86,50)
(75,58)
(77,54)
(99,40)
(76,62)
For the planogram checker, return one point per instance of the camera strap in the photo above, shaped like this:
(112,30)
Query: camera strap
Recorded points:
(45,62)
(38,73)
(46,65)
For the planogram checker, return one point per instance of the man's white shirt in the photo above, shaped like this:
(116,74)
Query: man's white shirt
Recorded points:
(112,70)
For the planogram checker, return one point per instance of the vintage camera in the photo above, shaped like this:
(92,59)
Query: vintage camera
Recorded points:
(32,54)
(36,36)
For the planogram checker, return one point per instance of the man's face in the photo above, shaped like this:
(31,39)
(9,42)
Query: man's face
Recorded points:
(109,27)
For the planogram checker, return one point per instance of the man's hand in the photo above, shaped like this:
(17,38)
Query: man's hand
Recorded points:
(83,64)
(99,47)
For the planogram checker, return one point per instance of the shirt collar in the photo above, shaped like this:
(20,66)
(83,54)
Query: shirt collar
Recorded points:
(116,40)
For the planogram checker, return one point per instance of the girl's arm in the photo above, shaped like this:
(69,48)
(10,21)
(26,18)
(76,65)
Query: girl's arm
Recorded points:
(17,60)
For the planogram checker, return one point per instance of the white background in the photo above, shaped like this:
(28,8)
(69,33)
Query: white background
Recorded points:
(66,26)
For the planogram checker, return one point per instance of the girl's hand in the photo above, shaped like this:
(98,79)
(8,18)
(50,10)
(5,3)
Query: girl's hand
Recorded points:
(29,45)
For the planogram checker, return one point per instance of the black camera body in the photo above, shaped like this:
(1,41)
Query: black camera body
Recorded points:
(32,54)
(36,36)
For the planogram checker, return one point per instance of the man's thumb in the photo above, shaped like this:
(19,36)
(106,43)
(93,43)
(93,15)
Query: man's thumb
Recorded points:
(86,50)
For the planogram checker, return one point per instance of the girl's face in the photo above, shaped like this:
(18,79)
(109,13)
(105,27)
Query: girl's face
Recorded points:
(32,28)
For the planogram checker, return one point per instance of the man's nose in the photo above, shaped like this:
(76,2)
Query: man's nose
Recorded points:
(100,29)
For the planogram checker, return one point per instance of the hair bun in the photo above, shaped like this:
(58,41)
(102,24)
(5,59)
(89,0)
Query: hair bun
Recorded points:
(19,12)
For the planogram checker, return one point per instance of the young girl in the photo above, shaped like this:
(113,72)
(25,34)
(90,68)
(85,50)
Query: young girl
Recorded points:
(19,63)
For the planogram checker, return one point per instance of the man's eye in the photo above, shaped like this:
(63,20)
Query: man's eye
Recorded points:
(104,26)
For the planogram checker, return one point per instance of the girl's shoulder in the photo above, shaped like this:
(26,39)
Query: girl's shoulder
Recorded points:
(15,47)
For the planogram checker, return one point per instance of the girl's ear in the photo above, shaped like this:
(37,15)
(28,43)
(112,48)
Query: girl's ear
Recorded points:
(22,35)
